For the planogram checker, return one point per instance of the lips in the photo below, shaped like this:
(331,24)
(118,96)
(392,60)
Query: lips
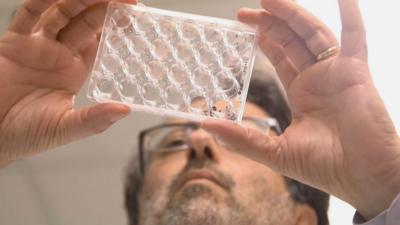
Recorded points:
(208,174)
(194,175)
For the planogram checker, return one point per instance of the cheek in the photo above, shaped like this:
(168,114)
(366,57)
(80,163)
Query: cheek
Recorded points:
(162,171)
(246,172)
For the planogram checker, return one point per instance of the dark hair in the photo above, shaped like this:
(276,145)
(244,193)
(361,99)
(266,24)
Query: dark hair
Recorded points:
(265,93)
(133,185)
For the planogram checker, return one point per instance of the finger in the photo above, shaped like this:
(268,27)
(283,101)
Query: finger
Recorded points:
(354,41)
(93,120)
(59,15)
(248,142)
(292,47)
(89,54)
(316,34)
(83,30)
(287,72)
(28,14)
(277,30)
(284,67)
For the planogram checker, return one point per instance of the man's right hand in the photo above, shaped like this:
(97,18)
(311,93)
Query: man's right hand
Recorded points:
(45,57)
(341,139)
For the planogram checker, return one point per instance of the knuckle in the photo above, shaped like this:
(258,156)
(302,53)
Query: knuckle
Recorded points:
(289,39)
(293,15)
(303,66)
(311,33)
(31,11)
(278,57)
(83,2)
(64,11)
(89,24)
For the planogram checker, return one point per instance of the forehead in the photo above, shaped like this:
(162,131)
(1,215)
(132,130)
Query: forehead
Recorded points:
(251,110)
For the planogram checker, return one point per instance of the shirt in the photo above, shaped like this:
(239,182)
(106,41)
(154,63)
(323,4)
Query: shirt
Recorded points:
(391,216)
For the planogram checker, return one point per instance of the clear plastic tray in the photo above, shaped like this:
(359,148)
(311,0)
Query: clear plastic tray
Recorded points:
(173,64)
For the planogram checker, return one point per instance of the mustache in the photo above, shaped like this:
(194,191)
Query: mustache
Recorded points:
(224,180)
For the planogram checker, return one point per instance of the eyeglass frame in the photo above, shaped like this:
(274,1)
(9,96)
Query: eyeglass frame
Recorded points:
(272,123)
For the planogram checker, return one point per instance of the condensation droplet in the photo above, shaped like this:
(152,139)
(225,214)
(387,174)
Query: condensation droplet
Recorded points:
(198,103)
(121,19)
(223,108)
(185,52)
(235,37)
(174,97)
(138,44)
(202,77)
(190,31)
(135,68)
(151,35)
(221,105)
(111,63)
(212,34)
(104,87)
(214,68)
(162,50)
(168,28)
(151,95)
(129,91)
(207,57)
(228,84)
(237,69)
(179,74)
(157,70)
(144,22)
(115,42)
(245,53)
(230,59)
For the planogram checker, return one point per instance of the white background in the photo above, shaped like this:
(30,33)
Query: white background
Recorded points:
(82,183)
(382,22)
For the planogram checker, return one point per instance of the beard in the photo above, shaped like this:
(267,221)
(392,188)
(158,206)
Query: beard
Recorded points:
(199,204)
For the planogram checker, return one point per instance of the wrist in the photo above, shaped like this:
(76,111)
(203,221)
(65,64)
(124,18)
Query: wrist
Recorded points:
(380,192)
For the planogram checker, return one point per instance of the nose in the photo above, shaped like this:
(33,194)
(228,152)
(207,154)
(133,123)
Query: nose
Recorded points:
(203,147)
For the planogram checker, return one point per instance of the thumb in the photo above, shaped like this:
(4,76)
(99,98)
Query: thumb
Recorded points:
(93,120)
(252,143)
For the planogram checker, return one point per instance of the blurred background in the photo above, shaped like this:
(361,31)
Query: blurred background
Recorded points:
(82,183)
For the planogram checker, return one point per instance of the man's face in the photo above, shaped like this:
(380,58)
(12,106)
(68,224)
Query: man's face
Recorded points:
(209,184)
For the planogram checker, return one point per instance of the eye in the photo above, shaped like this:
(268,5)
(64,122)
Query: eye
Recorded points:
(169,148)
(175,143)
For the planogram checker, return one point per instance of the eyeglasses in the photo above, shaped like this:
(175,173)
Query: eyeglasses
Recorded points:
(169,138)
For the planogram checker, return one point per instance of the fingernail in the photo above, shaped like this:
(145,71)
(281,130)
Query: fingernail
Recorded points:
(118,117)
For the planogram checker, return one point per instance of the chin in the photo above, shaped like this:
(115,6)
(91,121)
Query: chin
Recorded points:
(194,190)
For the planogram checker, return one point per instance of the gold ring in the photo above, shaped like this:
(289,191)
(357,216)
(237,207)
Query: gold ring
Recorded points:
(328,53)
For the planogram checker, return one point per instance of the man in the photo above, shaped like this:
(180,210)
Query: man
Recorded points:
(183,175)
(341,138)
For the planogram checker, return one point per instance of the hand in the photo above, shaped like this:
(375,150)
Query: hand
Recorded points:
(341,139)
(45,57)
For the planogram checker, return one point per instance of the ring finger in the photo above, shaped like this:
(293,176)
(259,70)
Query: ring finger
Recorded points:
(28,14)
(275,30)
(315,34)
(59,15)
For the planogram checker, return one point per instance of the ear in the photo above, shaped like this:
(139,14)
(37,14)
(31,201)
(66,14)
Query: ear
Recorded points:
(305,215)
